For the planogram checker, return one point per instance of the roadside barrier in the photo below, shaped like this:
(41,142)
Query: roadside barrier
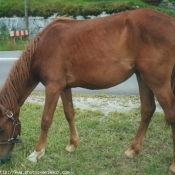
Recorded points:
(18,33)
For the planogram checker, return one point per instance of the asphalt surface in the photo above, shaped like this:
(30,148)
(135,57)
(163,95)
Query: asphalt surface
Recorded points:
(129,87)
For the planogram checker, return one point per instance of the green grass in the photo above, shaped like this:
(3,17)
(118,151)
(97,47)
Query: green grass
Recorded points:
(7,43)
(71,7)
(103,142)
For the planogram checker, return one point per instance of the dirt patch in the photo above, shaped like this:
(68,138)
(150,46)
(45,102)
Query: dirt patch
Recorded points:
(101,102)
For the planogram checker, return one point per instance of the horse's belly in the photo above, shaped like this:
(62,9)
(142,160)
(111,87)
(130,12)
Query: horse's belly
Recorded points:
(99,77)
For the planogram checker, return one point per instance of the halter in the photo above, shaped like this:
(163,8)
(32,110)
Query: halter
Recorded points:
(11,140)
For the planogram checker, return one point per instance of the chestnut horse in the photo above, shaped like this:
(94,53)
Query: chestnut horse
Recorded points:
(93,54)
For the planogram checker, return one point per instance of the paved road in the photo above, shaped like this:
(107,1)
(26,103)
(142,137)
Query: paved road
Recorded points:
(7,59)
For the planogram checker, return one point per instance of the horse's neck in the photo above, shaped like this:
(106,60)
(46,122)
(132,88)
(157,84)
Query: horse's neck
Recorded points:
(25,92)
(16,89)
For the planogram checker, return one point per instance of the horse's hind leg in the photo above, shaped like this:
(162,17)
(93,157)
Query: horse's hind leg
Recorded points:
(147,110)
(66,97)
(53,91)
(166,99)
(160,83)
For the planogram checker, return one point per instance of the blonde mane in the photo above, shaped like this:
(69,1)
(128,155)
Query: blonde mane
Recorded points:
(59,18)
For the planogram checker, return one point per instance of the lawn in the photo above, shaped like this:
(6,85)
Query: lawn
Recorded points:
(103,142)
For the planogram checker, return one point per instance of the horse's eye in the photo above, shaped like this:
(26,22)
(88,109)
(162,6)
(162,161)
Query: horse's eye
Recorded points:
(1,131)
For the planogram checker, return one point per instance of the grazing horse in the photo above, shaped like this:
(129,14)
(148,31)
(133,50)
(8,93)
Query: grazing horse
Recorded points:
(93,54)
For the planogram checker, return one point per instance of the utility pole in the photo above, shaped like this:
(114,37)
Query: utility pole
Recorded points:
(26,15)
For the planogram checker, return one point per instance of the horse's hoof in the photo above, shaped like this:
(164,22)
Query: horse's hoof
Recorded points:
(72,146)
(172,168)
(130,153)
(35,156)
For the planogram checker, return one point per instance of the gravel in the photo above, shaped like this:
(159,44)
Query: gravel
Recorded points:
(102,102)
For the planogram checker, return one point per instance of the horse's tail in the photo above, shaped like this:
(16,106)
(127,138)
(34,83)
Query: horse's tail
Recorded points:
(173,80)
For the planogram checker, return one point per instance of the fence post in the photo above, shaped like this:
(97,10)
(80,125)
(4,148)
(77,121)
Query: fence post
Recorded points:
(26,16)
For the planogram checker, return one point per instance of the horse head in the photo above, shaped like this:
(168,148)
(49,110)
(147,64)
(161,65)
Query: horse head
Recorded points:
(10,128)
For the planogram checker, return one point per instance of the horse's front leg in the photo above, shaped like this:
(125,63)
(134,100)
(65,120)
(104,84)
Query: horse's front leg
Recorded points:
(147,110)
(66,97)
(51,99)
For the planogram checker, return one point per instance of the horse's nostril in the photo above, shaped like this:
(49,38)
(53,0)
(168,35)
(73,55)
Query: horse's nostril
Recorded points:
(2,161)
(1,131)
